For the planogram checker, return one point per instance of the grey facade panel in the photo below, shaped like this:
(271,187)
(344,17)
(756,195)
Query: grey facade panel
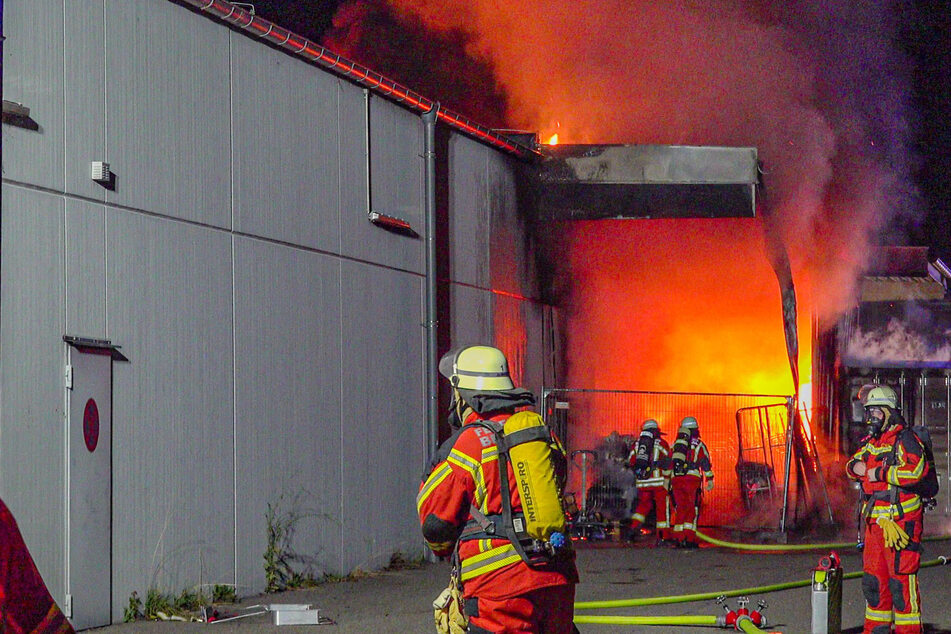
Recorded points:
(32,452)
(287,404)
(356,234)
(285,147)
(468,203)
(383,414)
(167,135)
(170,307)
(472,320)
(84,93)
(511,267)
(33,76)
(85,269)
(396,183)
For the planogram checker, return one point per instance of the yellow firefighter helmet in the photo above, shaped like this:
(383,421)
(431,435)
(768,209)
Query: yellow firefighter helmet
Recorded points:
(689,422)
(881,395)
(479,368)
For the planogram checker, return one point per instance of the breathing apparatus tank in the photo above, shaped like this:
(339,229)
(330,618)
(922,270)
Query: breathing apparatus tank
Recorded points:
(680,452)
(644,453)
(529,443)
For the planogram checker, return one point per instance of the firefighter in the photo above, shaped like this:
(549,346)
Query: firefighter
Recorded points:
(501,591)
(887,461)
(690,466)
(650,460)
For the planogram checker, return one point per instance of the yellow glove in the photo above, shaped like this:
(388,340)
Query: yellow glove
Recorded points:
(447,611)
(895,537)
(709,485)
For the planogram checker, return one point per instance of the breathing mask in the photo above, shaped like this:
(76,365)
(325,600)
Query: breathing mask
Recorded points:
(875,419)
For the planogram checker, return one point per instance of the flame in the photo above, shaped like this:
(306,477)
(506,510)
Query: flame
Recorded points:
(679,305)
(553,139)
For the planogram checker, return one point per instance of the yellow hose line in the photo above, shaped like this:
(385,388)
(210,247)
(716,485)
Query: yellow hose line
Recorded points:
(705,596)
(647,620)
(746,624)
(784,547)
(788,547)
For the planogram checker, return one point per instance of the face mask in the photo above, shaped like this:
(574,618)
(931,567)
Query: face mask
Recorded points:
(874,421)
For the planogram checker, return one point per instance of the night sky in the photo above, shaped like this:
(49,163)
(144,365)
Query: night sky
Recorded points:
(398,48)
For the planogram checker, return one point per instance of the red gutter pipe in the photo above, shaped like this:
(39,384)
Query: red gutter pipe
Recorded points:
(302,47)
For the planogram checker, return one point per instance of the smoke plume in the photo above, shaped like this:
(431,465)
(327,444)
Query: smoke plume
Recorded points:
(818,86)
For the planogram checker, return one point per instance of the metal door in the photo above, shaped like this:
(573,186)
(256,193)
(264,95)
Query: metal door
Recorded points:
(89,477)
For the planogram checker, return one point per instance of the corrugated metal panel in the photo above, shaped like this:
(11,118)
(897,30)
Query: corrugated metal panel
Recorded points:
(287,411)
(472,317)
(506,242)
(468,217)
(170,307)
(383,423)
(285,147)
(358,238)
(896,289)
(396,180)
(85,269)
(85,81)
(396,147)
(33,76)
(32,451)
(167,132)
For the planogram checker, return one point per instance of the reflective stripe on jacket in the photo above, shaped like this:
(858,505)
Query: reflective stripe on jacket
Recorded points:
(908,466)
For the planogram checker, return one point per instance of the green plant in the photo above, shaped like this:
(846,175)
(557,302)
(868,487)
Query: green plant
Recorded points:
(134,610)
(155,602)
(279,574)
(189,600)
(222,593)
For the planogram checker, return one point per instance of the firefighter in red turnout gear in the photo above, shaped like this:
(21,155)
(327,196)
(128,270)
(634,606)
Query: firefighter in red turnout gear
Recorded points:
(891,459)
(691,465)
(462,494)
(650,460)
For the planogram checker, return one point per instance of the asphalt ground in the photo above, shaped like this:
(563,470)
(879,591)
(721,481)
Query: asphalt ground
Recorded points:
(400,600)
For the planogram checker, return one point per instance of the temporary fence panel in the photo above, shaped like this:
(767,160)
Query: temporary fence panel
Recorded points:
(608,422)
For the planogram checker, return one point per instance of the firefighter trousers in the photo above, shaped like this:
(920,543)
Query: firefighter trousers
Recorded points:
(685,490)
(647,497)
(544,611)
(890,582)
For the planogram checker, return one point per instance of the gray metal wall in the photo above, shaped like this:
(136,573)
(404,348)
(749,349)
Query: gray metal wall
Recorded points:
(275,337)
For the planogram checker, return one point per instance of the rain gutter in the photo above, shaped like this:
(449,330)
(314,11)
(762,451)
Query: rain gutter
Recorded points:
(374,81)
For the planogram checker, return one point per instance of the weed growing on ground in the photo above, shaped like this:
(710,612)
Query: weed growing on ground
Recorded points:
(134,610)
(279,574)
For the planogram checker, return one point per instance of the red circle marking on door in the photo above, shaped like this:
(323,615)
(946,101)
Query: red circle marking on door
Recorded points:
(91,425)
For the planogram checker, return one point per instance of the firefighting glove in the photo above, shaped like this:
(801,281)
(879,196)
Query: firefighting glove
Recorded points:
(895,537)
(447,611)
(709,485)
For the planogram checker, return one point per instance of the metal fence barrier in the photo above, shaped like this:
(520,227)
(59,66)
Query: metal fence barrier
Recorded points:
(744,432)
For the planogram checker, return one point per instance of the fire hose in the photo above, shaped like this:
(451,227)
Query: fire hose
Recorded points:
(744,624)
(789,547)
(742,619)
(704,596)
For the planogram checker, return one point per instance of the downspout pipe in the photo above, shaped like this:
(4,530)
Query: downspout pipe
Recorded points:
(311,52)
(432,393)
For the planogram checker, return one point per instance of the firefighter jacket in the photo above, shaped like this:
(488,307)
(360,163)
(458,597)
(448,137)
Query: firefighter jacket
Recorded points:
(896,464)
(659,474)
(466,475)
(698,460)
